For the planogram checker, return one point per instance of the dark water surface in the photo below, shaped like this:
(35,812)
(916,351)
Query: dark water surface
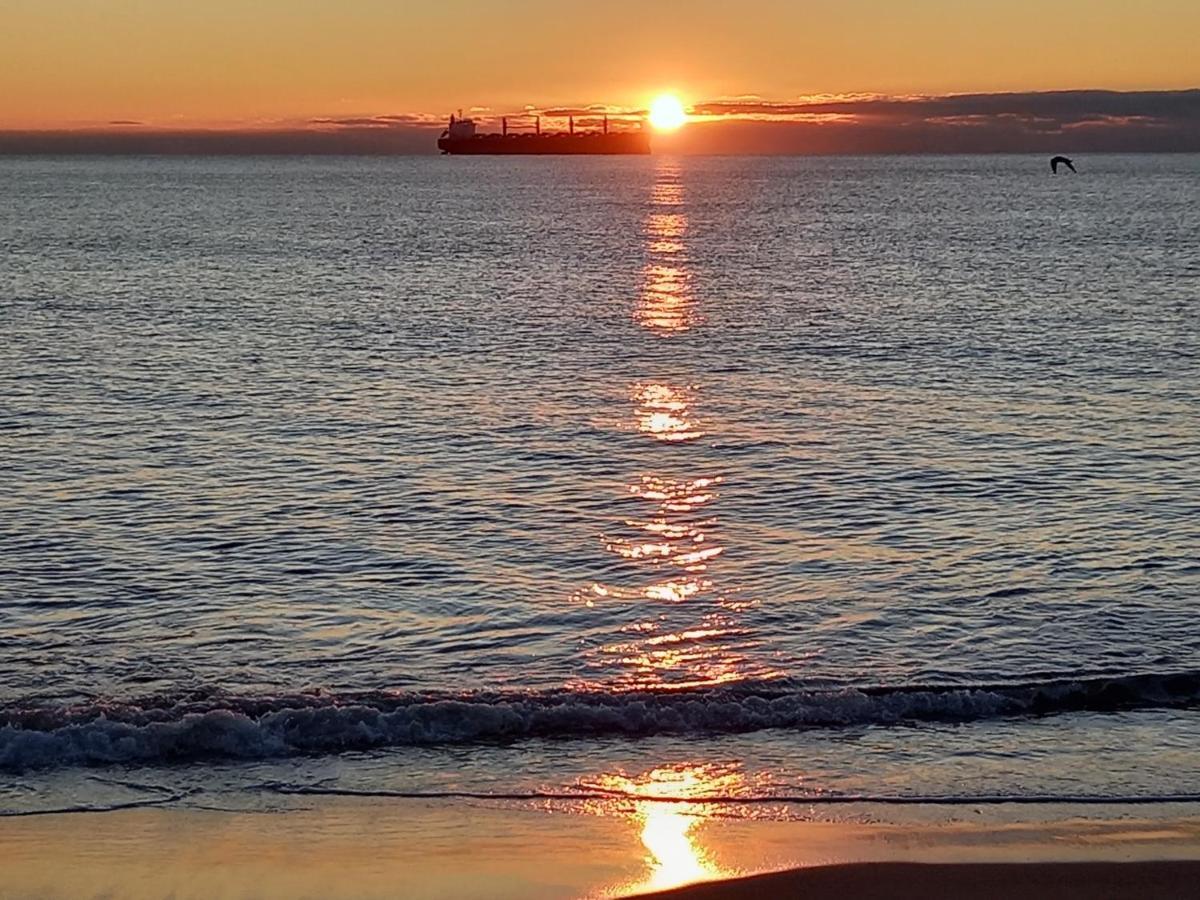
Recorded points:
(846,475)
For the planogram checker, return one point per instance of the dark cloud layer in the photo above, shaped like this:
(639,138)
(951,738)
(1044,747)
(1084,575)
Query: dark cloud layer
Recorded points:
(1049,104)
(1068,121)
(1050,121)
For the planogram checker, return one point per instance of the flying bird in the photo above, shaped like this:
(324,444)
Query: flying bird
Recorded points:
(1057,160)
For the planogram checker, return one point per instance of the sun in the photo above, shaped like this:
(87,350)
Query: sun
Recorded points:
(667,113)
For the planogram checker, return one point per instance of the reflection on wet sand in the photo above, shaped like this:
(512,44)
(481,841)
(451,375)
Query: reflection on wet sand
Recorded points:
(668,827)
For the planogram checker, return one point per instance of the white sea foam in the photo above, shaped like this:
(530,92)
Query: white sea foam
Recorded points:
(257,727)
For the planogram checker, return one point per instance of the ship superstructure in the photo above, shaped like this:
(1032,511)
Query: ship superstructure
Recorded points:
(463,137)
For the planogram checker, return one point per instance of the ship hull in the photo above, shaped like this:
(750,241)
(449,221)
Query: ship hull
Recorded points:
(631,143)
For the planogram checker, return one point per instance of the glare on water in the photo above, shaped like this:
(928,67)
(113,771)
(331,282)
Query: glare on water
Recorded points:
(523,426)
(674,542)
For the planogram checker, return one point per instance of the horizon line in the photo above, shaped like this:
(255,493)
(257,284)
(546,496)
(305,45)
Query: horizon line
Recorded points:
(1080,121)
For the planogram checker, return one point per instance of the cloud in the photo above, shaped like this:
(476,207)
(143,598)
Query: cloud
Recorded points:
(1043,104)
(1046,121)
(1077,121)
(595,109)
(401,141)
(402,120)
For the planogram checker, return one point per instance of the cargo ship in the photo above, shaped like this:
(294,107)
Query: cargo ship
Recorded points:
(461,137)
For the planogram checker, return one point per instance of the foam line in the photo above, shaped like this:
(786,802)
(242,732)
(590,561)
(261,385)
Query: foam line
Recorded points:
(188,727)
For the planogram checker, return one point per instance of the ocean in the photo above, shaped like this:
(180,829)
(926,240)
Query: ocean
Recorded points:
(786,483)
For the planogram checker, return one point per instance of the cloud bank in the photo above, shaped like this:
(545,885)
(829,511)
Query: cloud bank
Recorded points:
(1065,121)
(1049,121)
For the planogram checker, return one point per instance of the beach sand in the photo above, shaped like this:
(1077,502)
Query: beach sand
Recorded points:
(335,847)
(979,881)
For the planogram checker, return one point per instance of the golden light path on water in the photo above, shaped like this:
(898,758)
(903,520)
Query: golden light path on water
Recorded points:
(666,304)
(673,542)
(663,412)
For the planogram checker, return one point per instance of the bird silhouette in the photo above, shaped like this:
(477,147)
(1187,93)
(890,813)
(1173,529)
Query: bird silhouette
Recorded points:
(1060,160)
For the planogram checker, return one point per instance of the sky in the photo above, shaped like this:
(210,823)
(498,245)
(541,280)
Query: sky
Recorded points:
(301,65)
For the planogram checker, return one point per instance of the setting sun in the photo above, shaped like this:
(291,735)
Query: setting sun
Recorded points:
(667,113)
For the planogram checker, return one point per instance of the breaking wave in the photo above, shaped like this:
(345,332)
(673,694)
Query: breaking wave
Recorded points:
(221,726)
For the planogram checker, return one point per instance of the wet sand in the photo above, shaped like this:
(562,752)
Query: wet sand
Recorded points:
(980,881)
(340,847)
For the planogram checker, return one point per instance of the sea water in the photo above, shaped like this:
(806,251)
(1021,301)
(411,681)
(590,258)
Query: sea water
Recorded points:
(752,479)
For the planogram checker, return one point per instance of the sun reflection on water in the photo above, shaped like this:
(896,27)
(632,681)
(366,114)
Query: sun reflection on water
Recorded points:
(666,305)
(681,628)
(675,543)
(663,413)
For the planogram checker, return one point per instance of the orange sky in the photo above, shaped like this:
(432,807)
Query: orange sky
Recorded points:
(182,63)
